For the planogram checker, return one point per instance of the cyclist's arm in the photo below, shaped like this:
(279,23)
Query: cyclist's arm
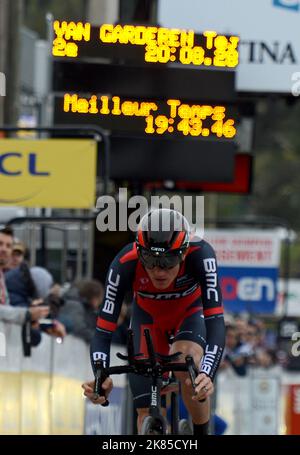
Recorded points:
(204,265)
(119,279)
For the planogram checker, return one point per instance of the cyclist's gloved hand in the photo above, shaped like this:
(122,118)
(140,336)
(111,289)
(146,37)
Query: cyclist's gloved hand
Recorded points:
(89,390)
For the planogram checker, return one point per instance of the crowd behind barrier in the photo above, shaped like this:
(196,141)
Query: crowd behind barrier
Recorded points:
(42,394)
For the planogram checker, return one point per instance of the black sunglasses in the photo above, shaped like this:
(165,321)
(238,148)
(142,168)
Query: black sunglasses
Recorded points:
(163,261)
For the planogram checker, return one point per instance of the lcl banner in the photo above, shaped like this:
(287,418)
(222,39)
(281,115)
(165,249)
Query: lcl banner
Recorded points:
(58,173)
(248,263)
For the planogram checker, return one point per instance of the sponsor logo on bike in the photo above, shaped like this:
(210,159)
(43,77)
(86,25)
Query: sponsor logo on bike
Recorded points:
(153,396)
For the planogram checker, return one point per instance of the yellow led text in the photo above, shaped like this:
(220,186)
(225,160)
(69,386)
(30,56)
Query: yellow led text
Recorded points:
(162,45)
(66,31)
(194,120)
(106,105)
(141,35)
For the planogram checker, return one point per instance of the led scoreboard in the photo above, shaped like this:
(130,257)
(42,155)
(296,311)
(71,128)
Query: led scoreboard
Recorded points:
(170,117)
(157,44)
(165,95)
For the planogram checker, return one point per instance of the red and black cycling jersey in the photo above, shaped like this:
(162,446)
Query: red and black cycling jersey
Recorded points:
(195,289)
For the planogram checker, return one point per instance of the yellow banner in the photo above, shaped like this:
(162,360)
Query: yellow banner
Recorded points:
(58,173)
(35,403)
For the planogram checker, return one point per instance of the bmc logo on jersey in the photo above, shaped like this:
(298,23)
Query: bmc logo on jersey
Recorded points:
(168,296)
(100,356)
(293,5)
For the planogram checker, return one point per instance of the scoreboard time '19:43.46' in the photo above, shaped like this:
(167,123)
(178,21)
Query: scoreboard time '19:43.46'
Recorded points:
(171,117)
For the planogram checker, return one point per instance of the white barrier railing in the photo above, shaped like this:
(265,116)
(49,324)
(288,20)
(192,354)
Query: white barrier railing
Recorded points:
(257,403)
(42,394)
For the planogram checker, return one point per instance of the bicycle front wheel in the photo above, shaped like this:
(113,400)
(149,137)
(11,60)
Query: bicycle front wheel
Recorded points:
(154,426)
(184,428)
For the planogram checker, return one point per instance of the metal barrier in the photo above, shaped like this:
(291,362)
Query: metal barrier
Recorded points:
(75,232)
(42,394)
(258,404)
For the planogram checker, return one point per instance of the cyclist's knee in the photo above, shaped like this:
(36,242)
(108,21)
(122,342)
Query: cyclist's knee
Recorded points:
(186,348)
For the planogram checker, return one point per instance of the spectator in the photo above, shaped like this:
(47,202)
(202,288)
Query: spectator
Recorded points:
(256,346)
(264,356)
(242,327)
(80,307)
(43,281)
(23,293)
(18,253)
(7,312)
(40,279)
(20,286)
(233,354)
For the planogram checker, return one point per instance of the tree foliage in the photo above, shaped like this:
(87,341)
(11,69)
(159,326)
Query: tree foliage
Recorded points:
(276,176)
(35,12)
(277,163)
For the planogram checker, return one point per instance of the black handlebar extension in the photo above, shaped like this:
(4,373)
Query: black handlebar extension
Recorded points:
(100,376)
(150,347)
(145,367)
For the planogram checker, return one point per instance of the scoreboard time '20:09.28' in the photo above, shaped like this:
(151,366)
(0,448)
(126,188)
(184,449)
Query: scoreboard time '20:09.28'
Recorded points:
(161,117)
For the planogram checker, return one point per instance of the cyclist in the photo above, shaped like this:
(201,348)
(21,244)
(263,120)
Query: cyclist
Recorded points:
(176,290)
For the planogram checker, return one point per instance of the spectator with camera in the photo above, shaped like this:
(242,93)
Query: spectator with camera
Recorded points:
(79,310)
(9,313)
(234,353)
(23,293)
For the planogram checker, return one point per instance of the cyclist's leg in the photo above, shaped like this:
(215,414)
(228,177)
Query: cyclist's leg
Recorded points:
(200,412)
(190,340)
(141,386)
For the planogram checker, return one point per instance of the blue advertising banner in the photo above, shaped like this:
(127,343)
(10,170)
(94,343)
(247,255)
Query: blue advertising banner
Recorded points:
(249,289)
(248,264)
